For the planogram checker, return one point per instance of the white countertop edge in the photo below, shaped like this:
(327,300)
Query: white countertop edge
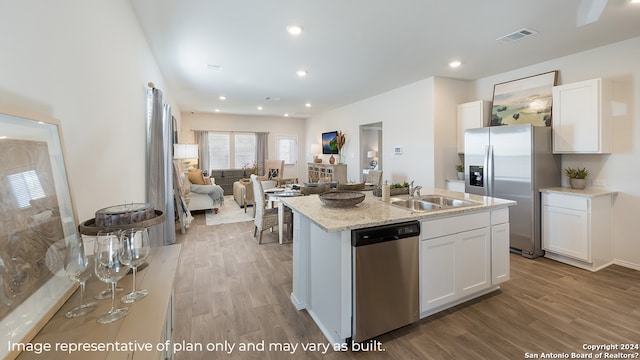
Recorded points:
(332,219)
(587,192)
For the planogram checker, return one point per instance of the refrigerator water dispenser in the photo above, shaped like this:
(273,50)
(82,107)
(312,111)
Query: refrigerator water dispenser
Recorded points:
(476,176)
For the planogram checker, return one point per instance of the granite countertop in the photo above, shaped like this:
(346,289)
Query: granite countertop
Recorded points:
(373,211)
(587,192)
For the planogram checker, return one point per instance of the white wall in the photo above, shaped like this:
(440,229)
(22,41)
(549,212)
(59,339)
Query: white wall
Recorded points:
(618,171)
(409,115)
(273,125)
(87,64)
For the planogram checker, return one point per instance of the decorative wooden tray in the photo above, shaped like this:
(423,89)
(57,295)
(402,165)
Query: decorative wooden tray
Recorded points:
(342,198)
(89,227)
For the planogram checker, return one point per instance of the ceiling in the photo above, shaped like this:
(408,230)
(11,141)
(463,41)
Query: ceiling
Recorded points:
(353,49)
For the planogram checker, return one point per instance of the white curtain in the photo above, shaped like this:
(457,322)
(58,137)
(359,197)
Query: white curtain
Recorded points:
(159,167)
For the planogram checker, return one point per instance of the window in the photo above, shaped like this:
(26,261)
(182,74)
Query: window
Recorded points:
(287,149)
(231,151)
(25,187)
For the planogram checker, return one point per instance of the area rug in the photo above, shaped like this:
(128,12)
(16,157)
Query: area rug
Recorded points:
(230,212)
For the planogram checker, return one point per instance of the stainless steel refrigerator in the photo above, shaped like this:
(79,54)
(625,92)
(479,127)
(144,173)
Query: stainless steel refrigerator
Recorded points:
(513,162)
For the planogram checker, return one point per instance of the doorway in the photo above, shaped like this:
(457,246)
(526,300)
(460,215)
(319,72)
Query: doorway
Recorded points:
(370,148)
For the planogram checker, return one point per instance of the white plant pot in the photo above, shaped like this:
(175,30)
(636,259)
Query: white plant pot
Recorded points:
(460,175)
(578,184)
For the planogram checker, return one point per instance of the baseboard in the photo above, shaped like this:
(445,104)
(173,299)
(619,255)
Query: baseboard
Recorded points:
(627,264)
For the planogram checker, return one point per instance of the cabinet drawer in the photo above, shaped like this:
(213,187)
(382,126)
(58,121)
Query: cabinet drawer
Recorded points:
(452,225)
(499,216)
(566,201)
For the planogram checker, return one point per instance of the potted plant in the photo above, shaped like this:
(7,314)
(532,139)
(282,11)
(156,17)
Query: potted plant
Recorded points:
(398,188)
(460,170)
(577,177)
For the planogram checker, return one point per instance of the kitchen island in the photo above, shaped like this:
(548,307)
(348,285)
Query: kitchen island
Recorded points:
(464,253)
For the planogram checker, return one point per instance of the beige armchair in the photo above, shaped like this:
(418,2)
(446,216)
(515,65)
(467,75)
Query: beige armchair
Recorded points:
(243,193)
(273,169)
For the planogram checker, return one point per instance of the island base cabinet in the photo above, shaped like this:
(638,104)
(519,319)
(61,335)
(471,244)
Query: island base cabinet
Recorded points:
(438,274)
(457,266)
(500,241)
(500,253)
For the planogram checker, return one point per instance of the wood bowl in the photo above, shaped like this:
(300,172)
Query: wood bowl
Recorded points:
(342,198)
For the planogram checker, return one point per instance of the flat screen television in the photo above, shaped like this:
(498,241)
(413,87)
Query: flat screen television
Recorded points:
(330,142)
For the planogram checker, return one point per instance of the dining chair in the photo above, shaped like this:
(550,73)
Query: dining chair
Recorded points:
(266,218)
(374,177)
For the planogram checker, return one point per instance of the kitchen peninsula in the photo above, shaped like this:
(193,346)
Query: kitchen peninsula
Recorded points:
(463,253)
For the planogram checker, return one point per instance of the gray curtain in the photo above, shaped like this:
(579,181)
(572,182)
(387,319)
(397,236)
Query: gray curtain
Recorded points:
(202,139)
(262,146)
(159,167)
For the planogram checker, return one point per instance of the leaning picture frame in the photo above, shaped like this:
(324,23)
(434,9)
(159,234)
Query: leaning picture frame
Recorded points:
(524,101)
(38,220)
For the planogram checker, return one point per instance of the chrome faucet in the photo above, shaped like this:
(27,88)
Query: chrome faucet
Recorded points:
(413,190)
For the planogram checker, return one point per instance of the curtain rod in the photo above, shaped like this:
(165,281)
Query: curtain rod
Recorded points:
(228,131)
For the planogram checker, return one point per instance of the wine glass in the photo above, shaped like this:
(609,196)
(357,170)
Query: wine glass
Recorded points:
(106,293)
(135,250)
(78,268)
(110,269)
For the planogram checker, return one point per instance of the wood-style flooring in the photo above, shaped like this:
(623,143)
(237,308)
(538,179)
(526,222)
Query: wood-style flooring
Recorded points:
(231,290)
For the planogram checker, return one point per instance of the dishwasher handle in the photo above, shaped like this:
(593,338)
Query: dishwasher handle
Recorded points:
(393,232)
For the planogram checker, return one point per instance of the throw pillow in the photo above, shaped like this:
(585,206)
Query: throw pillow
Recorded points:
(196,177)
(273,173)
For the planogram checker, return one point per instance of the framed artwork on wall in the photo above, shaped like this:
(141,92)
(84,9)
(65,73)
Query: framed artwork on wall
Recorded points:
(38,221)
(524,101)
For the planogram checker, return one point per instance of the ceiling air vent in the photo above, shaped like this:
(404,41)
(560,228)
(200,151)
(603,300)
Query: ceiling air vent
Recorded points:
(517,35)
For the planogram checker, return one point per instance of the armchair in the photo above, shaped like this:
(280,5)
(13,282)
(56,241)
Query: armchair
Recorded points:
(274,169)
(243,190)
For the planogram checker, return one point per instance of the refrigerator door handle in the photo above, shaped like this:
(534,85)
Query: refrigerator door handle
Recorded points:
(488,165)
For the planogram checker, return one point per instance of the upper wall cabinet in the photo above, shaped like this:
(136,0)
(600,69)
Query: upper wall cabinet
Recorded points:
(471,115)
(581,118)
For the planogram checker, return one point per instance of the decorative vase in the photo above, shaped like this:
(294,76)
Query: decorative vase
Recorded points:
(340,157)
(332,160)
(578,184)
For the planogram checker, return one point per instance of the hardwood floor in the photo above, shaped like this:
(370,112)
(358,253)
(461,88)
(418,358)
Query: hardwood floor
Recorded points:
(230,289)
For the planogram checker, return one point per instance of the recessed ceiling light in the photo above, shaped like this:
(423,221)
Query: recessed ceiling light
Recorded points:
(222,97)
(307,104)
(635,1)
(217,110)
(259,108)
(286,115)
(301,73)
(294,29)
(455,64)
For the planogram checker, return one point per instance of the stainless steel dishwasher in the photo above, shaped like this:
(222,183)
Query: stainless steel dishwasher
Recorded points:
(385,279)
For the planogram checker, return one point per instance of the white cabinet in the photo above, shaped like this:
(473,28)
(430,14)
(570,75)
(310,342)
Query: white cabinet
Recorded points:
(581,118)
(454,185)
(330,172)
(455,260)
(471,115)
(577,229)
(499,246)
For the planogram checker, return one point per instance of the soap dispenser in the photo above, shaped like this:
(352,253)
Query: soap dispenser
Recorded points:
(385,191)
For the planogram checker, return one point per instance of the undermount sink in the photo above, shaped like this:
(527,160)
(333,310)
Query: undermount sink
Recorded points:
(446,201)
(416,205)
(431,202)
